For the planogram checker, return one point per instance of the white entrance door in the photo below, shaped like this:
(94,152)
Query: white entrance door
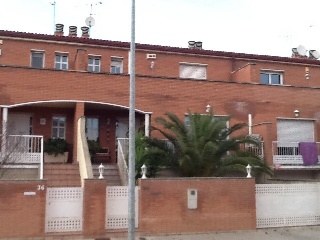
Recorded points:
(122,130)
(19,124)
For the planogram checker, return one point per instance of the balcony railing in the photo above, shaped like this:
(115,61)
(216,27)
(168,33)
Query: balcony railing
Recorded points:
(22,150)
(288,153)
(254,149)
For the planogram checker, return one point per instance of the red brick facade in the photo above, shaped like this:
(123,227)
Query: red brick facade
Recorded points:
(232,85)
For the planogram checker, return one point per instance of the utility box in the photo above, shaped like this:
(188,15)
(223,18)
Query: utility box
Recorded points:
(192,198)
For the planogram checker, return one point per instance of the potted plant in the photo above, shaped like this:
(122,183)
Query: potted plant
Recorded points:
(55,150)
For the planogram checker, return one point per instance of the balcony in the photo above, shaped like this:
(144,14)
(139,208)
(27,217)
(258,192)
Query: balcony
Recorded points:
(287,155)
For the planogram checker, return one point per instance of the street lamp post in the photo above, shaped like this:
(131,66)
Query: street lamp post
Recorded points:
(131,186)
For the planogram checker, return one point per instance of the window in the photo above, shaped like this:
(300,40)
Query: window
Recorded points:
(61,61)
(193,70)
(59,127)
(94,64)
(272,78)
(92,128)
(37,59)
(116,66)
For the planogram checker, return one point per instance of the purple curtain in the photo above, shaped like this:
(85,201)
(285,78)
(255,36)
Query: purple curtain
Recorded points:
(309,153)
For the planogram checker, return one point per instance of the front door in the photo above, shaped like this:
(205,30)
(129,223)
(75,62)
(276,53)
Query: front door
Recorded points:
(19,124)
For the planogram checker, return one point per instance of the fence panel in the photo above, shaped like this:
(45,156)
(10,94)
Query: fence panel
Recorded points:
(117,207)
(64,209)
(280,205)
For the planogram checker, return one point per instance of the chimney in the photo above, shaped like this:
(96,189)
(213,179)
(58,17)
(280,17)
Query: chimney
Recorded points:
(85,31)
(59,29)
(72,31)
(195,45)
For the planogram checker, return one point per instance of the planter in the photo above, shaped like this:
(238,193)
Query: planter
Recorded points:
(60,158)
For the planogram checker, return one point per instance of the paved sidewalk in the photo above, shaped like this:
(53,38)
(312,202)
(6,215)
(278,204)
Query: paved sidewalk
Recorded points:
(294,233)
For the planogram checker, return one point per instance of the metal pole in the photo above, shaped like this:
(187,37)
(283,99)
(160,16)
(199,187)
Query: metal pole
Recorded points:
(131,187)
(54,15)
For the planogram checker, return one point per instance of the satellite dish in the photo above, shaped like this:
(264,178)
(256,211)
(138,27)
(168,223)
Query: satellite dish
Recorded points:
(314,54)
(301,50)
(90,21)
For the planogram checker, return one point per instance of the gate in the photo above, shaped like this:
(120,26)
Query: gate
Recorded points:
(117,207)
(64,209)
(284,205)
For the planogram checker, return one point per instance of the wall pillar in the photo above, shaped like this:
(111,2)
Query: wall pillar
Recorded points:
(94,207)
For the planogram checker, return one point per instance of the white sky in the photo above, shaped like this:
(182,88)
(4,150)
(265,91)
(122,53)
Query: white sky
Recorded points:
(268,27)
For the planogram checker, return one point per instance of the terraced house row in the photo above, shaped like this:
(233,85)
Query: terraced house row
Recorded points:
(50,84)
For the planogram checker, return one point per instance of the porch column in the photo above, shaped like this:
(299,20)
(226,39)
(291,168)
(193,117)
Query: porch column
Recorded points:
(78,113)
(4,128)
(147,124)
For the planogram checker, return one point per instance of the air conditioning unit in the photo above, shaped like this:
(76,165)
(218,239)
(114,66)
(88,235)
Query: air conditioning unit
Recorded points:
(151,56)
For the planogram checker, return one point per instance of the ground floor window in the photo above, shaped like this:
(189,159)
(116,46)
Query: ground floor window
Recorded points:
(59,127)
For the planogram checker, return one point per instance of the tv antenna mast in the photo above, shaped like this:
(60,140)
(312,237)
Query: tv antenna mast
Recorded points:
(54,14)
(90,21)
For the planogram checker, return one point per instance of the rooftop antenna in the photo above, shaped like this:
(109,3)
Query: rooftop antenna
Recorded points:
(54,14)
(90,21)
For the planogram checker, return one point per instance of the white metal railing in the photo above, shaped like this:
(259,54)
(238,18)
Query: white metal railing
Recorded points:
(288,153)
(122,155)
(22,149)
(255,150)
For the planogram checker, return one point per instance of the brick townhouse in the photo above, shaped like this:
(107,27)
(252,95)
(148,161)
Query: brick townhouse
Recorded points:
(48,82)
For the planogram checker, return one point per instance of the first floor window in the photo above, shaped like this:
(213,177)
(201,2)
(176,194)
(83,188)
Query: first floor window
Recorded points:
(94,64)
(116,66)
(61,61)
(272,78)
(59,127)
(193,70)
(37,59)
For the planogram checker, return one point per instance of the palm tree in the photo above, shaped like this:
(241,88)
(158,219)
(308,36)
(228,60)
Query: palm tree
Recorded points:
(206,146)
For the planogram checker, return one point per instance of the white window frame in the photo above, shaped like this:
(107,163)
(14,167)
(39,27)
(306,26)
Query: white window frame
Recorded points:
(62,124)
(94,66)
(272,72)
(60,63)
(196,70)
(34,51)
(116,65)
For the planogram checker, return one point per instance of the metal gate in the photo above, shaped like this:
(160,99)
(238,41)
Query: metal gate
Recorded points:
(117,207)
(64,209)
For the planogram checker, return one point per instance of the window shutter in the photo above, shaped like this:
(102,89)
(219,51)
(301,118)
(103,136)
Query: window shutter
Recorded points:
(295,131)
(193,71)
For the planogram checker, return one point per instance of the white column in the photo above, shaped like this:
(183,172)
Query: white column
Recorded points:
(4,128)
(147,124)
(250,123)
